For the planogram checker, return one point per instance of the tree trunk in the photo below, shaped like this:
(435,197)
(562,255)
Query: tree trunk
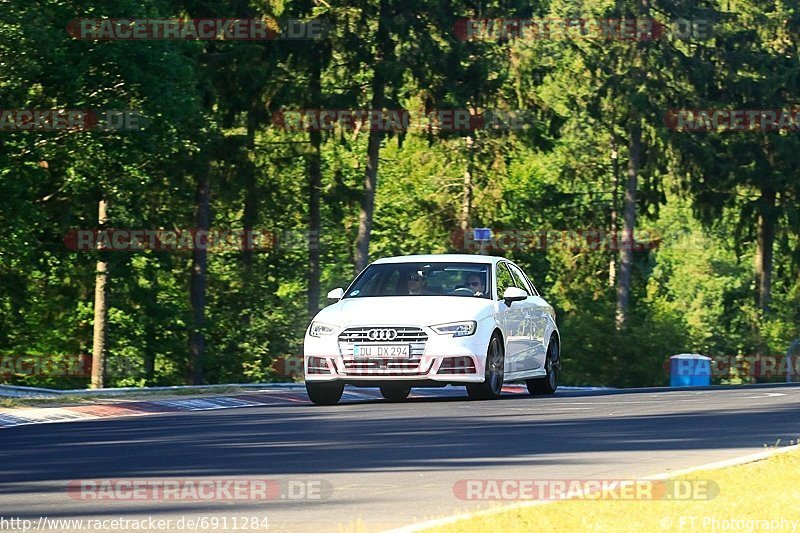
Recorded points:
(250,214)
(314,189)
(198,279)
(467,186)
(149,353)
(151,327)
(385,47)
(613,237)
(629,223)
(100,302)
(764,244)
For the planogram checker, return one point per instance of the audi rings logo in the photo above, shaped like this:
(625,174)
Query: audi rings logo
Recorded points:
(382,334)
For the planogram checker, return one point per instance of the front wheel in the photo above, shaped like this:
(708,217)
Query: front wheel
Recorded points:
(493,382)
(395,393)
(552,365)
(322,393)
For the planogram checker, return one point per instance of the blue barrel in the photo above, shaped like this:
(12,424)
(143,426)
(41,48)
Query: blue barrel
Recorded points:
(689,370)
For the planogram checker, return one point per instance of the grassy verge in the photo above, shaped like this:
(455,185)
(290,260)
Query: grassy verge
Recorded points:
(758,496)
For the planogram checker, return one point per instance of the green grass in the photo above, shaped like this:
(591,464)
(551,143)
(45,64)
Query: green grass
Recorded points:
(762,490)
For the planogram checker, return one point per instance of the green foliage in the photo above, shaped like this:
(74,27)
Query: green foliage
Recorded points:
(211,102)
(595,353)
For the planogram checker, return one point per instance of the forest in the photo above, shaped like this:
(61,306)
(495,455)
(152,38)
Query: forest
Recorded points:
(183,181)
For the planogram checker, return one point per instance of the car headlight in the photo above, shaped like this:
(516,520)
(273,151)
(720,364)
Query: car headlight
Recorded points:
(456,329)
(318,329)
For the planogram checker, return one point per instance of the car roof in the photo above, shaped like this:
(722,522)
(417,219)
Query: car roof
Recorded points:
(440,258)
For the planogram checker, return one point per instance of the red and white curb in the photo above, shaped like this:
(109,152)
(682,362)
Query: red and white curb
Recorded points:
(79,413)
(46,415)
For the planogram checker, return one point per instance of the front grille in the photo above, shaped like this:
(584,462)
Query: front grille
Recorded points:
(385,368)
(413,336)
(404,334)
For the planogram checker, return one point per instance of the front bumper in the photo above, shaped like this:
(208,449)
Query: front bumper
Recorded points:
(438,359)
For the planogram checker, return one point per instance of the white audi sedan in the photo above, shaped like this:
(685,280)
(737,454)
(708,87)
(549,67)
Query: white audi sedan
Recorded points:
(433,320)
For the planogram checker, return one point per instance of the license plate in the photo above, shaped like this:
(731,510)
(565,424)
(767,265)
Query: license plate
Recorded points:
(363,351)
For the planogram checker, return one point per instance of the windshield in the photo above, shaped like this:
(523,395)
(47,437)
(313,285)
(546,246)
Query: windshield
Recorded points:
(423,279)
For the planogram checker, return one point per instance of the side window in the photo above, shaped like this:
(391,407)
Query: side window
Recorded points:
(532,286)
(504,279)
(519,279)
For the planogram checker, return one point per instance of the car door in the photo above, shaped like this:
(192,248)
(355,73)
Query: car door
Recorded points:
(514,323)
(538,313)
(528,360)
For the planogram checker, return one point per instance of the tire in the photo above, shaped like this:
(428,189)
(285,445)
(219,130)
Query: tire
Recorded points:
(493,380)
(395,393)
(324,393)
(552,364)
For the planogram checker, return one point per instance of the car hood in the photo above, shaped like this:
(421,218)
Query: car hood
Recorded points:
(400,310)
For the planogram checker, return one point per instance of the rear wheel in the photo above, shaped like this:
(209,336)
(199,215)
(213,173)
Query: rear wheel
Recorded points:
(395,393)
(321,393)
(552,365)
(493,382)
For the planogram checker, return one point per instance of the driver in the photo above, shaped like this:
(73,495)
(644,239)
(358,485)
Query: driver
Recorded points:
(474,282)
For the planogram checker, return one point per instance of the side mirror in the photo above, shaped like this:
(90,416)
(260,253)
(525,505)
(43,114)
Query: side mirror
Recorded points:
(336,294)
(514,294)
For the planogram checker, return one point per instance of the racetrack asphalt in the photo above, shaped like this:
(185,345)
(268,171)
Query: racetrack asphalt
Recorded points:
(379,465)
